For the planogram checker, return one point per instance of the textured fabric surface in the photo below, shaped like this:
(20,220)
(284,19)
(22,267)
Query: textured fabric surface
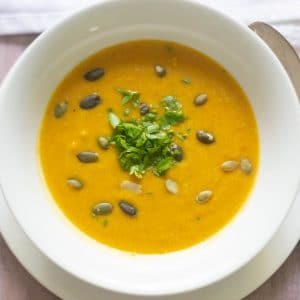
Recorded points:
(32,16)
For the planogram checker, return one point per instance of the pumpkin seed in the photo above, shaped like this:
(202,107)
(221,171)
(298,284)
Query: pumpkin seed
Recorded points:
(171,186)
(90,101)
(144,109)
(87,156)
(205,137)
(127,208)
(131,186)
(229,165)
(160,71)
(200,99)
(204,196)
(60,109)
(102,208)
(177,152)
(94,74)
(246,166)
(75,183)
(103,142)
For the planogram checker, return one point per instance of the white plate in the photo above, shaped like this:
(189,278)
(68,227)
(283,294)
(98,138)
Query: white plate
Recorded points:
(236,286)
(249,60)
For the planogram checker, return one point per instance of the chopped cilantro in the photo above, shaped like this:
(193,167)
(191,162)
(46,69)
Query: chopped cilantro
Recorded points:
(171,118)
(126,112)
(182,136)
(105,222)
(145,144)
(171,103)
(129,96)
(114,120)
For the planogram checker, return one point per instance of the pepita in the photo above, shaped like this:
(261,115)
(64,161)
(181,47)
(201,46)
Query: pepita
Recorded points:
(90,101)
(160,71)
(177,152)
(102,208)
(200,99)
(131,186)
(103,142)
(229,166)
(205,137)
(127,208)
(94,74)
(87,156)
(60,109)
(204,196)
(144,109)
(75,183)
(171,186)
(246,166)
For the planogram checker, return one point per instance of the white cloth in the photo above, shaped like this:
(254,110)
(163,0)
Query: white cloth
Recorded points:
(33,16)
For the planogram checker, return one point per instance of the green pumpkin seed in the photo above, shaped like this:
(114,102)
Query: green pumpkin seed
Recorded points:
(200,99)
(75,183)
(60,109)
(171,186)
(246,166)
(103,142)
(204,196)
(144,109)
(160,71)
(177,152)
(229,166)
(102,208)
(205,137)
(90,101)
(127,208)
(94,74)
(131,186)
(87,157)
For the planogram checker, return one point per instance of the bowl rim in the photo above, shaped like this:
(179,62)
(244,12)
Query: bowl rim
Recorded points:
(198,5)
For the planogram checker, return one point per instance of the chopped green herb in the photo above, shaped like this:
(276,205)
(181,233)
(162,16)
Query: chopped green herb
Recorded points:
(126,112)
(186,80)
(163,165)
(145,144)
(114,120)
(171,103)
(182,136)
(129,96)
(171,118)
(105,223)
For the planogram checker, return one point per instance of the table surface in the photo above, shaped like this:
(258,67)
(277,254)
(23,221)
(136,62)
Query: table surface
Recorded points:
(17,284)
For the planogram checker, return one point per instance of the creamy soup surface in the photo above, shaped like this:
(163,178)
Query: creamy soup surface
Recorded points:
(186,106)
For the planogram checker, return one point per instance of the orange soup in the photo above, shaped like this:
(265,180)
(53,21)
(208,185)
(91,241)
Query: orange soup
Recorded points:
(149,147)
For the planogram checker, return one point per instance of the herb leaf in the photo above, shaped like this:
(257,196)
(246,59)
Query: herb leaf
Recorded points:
(129,96)
(126,112)
(171,118)
(173,114)
(114,120)
(164,165)
(171,103)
